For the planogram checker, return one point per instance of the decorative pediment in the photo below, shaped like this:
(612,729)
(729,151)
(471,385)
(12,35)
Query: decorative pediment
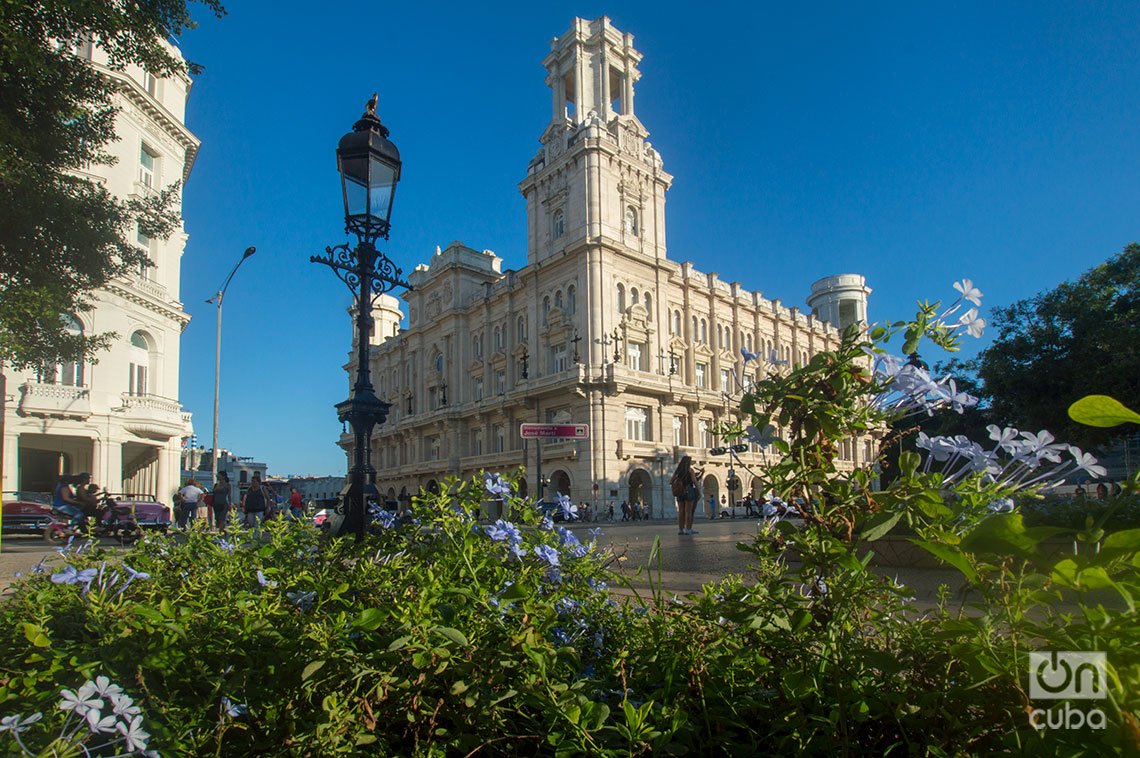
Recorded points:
(475,367)
(520,350)
(557,327)
(498,358)
(678,345)
(556,197)
(702,350)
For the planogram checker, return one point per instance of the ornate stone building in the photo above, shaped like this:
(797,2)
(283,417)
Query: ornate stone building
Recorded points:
(599,328)
(120,418)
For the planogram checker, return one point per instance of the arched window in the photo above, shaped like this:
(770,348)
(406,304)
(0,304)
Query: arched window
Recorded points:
(558,299)
(498,337)
(633,295)
(571,299)
(68,373)
(677,323)
(545,308)
(649,306)
(621,299)
(139,380)
(475,346)
(693,336)
(521,327)
(438,362)
(557,224)
(630,221)
(704,332)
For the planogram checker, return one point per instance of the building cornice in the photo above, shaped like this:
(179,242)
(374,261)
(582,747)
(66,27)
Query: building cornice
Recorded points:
(177,315)
(158,112)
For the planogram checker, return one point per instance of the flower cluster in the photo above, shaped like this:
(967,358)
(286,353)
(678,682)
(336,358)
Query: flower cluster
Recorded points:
(1017,460)
(99,580)
(505,531)
(909,389)
(98,709)
(495,485)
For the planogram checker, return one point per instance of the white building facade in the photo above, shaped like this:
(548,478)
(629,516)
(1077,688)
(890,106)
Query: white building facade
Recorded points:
(118,418)
(599,328)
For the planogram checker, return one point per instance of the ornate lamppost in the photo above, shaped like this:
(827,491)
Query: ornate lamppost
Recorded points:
(369,166)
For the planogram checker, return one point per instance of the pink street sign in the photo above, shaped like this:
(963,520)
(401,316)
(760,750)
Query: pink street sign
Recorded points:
(554,431)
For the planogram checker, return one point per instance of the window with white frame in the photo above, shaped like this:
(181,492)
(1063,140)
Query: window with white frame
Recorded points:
(703,431)
(636,423)
(702,375)
(434,449)
(558,224)
(148,166)
(726,382)
(500,436)
(68,373)
(138,381)
(559,359)
(636,357)
(501,382)
(678,431)
(677,323)
(520,327)
(477,389)
(142,239)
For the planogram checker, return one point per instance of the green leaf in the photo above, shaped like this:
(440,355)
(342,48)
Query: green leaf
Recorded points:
(1102,411)
(369,619)
(949,555)
(454,635)
(879,524)
(908,463)
(35,635)
(1119,544)
(400,643)
(311,669)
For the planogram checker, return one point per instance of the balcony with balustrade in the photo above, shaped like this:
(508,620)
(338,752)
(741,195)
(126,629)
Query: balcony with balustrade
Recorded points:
(54,400)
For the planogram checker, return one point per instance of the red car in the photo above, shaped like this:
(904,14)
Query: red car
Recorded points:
(25,516)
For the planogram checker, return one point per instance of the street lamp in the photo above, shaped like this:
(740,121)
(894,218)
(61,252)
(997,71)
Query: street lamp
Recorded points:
(217,299)
(369,166)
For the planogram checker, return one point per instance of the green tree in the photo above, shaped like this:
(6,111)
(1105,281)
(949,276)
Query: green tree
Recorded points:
(1080,338)
(61,235)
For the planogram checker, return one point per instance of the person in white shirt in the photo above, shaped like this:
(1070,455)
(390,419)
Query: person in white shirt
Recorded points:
(190,495)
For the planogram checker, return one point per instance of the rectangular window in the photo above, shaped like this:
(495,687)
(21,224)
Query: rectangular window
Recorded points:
(702,375)
(678,431)
(148,162)
(559,360)
(477,442)
(726,383)
(143,240)
(501,382)
(433,398)
(137,380)
(636,423)
(478,389)
(703,429)
(500,438)
(433,449)
(150,81)
(636,356)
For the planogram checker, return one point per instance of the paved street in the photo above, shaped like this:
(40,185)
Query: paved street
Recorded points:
(686,562)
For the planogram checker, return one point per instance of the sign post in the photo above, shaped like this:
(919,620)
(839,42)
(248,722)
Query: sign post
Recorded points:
(540,432)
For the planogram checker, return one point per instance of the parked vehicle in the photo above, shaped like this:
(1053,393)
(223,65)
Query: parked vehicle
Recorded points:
(26,513)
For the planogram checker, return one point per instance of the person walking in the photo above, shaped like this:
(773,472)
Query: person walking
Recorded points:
(296,504)
(254,503)
(684,481)
(190,495)
(222,503)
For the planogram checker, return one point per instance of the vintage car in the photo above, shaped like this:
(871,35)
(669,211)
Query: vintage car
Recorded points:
(26,513)
(148,512)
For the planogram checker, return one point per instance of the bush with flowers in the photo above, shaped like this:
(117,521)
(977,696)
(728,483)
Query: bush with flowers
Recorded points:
(438,634)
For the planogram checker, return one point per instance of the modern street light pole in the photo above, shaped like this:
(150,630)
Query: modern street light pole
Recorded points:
(369,166)
(217,298)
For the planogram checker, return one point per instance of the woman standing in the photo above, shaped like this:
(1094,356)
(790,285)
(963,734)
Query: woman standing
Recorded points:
(686,476)
(221,494)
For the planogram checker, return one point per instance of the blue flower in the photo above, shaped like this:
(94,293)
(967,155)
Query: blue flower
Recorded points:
(548,554)
(748,356)
(596,585)
(545,524)
(267,583)
(504,531)
(567,605)
(495,485)
(386,519)
(232,709)
(70,575)
(570,541)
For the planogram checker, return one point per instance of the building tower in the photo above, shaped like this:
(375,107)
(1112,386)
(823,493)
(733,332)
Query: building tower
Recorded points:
(840,300)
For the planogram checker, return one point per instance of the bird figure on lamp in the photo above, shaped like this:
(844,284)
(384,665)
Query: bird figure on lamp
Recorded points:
(370,106)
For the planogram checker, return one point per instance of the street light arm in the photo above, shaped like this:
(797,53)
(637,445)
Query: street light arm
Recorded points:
(222,290)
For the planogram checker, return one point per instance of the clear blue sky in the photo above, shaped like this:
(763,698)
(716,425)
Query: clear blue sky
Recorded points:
(915,143)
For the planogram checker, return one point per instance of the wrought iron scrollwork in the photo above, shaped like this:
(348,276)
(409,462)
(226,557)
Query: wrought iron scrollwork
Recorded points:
(350,264)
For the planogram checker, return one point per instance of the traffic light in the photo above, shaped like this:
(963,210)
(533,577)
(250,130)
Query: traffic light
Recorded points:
(718,451)
(740,447)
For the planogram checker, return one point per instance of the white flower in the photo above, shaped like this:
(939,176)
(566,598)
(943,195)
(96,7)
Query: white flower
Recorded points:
(974,325)
(15,724)
(100,723)
(1042,447)
(122,705)
(232,709)
(105,688)
(1006,438)
(1087,462)
(70,576)
(133,733)
(80,702)
(969,291)
(267,583)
